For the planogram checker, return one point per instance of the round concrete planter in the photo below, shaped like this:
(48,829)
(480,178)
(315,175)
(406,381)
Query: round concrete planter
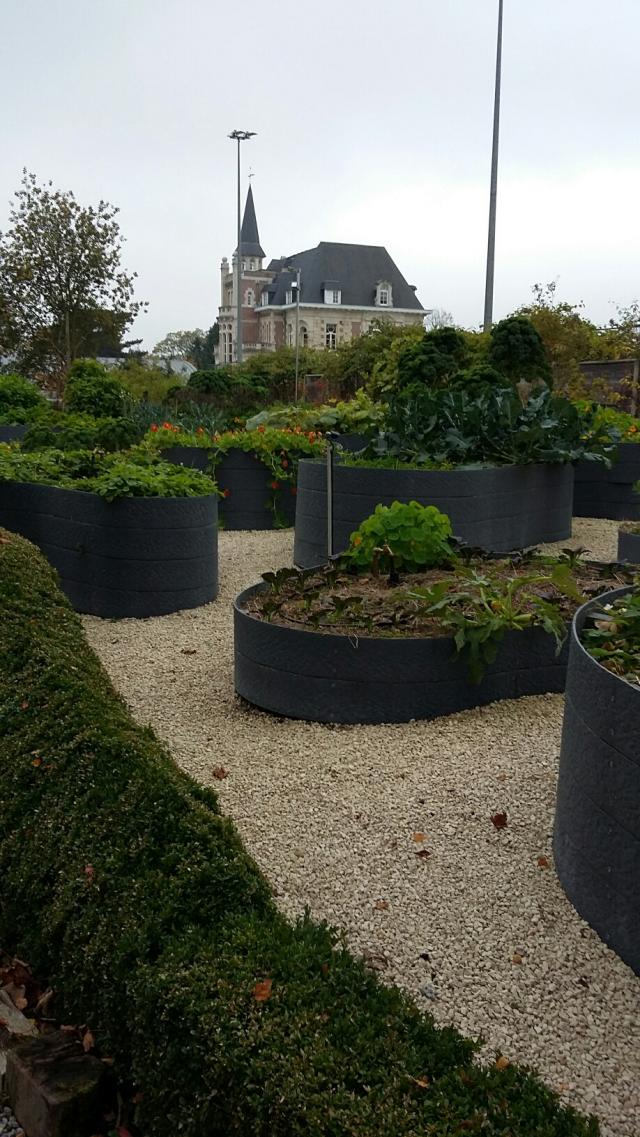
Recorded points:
(629,547)
(337,678)
(597,826)
(497,508)
(609,493)
(248,497)
(12,433)
(133,557)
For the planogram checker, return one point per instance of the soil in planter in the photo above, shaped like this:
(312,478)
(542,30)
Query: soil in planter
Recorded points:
(334,600)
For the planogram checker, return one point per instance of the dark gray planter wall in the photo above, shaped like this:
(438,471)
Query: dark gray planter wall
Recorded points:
(629,547)
(335,678)
(248,504)
(597,826)
(134,557)
(12,433)
(608,493)
(195,457)
(498,508)
(352,442)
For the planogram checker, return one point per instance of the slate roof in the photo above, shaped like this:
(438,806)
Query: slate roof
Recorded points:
(249,238)
(354,269)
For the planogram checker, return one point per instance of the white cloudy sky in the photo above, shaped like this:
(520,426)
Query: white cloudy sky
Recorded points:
(374,126)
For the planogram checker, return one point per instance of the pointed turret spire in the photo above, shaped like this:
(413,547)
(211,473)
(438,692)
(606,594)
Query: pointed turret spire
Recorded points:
(251,246)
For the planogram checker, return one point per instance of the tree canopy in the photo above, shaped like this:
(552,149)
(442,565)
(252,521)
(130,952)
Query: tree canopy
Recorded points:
(63,292)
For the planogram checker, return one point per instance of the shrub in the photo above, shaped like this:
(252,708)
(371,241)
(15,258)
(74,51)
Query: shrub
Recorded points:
(80,432)
(91,389)
(124,886)
(20,400)
(403,538)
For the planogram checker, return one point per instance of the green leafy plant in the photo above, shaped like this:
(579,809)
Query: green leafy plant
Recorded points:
(491,427)
(402,538)
(81,432)
(92,389)
(20,400)
(612,636)
(518,352)
(110,476)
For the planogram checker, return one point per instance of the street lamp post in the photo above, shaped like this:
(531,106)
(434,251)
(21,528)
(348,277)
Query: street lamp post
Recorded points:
(491,248)
(298,272)
(239,136)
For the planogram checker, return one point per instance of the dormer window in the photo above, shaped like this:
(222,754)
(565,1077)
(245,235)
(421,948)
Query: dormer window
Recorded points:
(332,295)
(383,294)
(288,296)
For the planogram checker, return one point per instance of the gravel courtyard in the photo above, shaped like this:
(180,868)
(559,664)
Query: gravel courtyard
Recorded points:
(340,819)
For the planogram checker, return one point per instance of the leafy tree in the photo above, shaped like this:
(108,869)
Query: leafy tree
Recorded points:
(61,284)
(92,390)
(567,335)
(204,347)
(438,318)
(179,345)
(517,351)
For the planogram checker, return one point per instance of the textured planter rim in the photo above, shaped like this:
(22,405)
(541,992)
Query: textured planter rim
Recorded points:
(499,508)
(134,557)
(267,674)
(597,823)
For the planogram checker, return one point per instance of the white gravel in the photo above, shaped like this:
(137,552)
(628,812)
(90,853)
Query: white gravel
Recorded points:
(331,815)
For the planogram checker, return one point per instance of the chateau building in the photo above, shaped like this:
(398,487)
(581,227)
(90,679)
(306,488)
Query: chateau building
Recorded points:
(343,288)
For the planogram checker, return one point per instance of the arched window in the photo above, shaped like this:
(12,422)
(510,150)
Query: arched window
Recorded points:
(290,335)
(383,294)
(249,298)
(304,335)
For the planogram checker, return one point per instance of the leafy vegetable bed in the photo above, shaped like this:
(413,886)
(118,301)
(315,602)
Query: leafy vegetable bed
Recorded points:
(330,645)
(597,829)
(124,885)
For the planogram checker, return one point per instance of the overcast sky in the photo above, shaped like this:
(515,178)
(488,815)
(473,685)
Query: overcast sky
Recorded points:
(374,126)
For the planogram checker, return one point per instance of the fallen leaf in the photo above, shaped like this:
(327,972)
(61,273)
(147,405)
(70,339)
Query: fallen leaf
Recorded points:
(423,1082)
(516,957)
(418,837)
(16,994)
(262,990)
(502,1063)
(188,651)
(219,772)
(424,854)
(36,761)
(88,1041)
(502,777)
(499,820)
(543,862)
(381,905)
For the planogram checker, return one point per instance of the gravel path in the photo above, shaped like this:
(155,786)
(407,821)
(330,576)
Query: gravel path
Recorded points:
(479,931)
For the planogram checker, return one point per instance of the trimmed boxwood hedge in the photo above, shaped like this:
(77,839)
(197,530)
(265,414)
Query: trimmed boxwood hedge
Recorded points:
(123,884)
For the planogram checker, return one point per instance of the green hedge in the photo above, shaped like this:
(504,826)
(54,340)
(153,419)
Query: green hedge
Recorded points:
(124,886)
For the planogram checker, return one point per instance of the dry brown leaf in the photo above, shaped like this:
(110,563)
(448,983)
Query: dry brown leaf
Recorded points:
(516,958)
(188,651)
(16,994)
(219,772)
(381,905)
(262,990)
(88,1041)
(502,1063)
(543,862)
(418,837)
(422,1082)
(502,777)
(424,854)
(499,820)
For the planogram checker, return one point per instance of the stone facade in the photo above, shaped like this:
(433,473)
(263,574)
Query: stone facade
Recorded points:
(330,310)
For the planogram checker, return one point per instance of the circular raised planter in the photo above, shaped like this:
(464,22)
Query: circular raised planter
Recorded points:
(629,547)
(247,501)
(609,493)
(363,679)
(12,433)
(245,483)
(597,826)
(144,556)
(497,508)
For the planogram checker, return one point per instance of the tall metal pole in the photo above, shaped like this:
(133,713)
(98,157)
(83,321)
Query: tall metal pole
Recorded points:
(239,271)
(491,248)
(239,136)
(298,276)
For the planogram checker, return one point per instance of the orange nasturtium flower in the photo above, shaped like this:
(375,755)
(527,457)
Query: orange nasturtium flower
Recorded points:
(153,427)
(275,485)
